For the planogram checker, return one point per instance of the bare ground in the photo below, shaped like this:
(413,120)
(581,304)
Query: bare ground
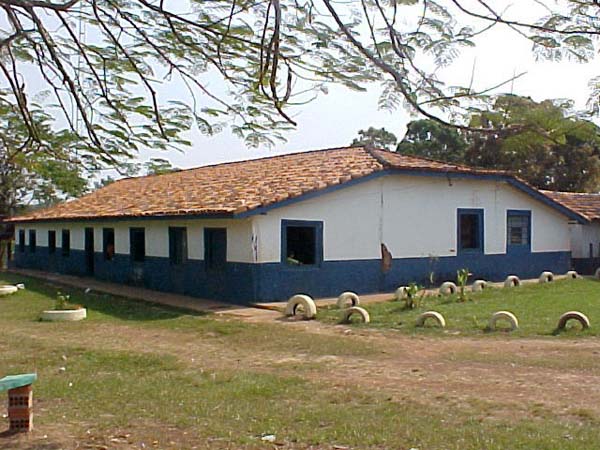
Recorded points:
(511,378)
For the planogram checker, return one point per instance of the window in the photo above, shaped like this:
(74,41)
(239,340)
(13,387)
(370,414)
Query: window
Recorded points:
(518,229)
(470,230)
(215,248)
(137,244)
(66,242)
(22,241)
(108,243)
(51,242)
(32,241)
(301,242)
(177,245)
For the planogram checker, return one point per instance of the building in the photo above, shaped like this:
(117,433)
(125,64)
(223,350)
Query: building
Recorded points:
(585,237)
(317,222)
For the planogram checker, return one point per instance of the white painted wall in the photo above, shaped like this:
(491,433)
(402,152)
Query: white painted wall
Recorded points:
(581,238)
(415,216)
(239,236)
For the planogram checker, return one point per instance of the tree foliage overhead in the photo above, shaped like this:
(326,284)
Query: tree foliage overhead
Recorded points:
(540,142)
(102,63)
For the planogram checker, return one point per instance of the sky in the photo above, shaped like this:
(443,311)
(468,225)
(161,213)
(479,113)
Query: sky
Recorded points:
(334,119)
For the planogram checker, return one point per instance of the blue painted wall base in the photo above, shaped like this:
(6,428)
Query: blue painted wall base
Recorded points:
(586,266)
(245,283)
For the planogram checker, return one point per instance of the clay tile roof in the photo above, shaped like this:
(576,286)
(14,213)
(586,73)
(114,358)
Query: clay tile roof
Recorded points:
(588,205)
(233,188)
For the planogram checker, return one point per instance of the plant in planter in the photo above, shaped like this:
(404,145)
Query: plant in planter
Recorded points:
(64,311)
(62,303)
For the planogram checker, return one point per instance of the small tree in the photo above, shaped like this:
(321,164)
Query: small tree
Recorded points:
(376,137)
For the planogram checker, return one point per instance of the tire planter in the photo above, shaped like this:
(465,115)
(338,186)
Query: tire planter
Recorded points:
(479,285)
(309,309)
(66,315)
(546,277)
(573,315)
(363,313)
(7,290)
(345,297)
(572,275)
(597,273)
(401,293)
(504,315)
(512,281)
(448,288)
(436,316)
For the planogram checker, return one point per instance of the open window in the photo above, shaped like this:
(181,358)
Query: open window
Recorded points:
(51,242)
(518,230)
(137,244)
(66,242)
(301,243)
(470,230)
(215,248)
(32,241)
(21,241)
(177,245)
(108,243)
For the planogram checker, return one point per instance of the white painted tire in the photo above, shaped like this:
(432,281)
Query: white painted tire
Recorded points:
(363,313)
(546,277)
(436,316)
(479,285)
(448,288)
(572,275)
(68,315)
(346,297)
(401,293)
(309,309)
(597,273)
(504,315)
(573,315)
(512,281)
(7,290)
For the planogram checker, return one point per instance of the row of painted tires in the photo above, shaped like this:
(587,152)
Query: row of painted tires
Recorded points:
(449,288)
(508,317)
(305,306)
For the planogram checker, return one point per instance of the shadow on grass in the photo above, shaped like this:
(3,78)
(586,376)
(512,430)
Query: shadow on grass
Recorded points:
(110,305)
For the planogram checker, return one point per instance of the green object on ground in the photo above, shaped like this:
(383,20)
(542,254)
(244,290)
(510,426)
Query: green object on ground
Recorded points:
(17,381)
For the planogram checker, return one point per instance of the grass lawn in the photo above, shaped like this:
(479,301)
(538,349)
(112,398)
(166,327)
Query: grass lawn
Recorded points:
(143,376)
(536,306)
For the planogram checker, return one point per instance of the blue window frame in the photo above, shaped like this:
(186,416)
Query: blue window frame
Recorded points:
(215,248)
(470,230)
(518,230)
(301,243)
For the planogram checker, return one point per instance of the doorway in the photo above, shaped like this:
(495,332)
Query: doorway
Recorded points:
(89,251)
